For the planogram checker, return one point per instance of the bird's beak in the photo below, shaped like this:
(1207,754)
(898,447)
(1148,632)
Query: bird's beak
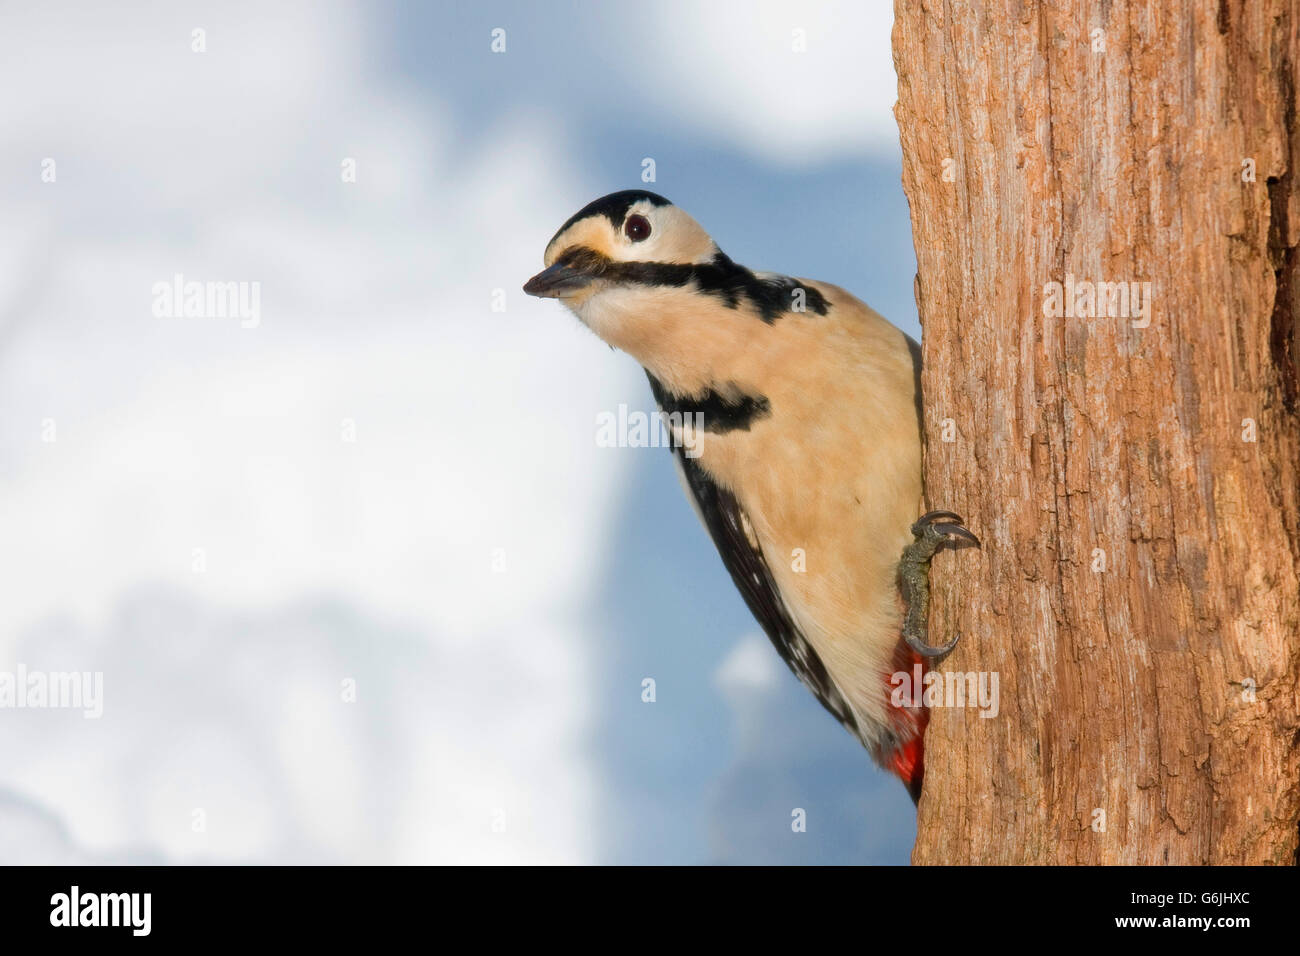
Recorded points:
(557,281)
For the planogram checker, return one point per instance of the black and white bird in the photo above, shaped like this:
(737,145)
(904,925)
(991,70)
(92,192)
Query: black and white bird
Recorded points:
(807,471)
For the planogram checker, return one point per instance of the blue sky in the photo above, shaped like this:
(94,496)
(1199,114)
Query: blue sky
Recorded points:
(495,586)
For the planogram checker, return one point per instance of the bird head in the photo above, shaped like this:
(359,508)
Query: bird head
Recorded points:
(632,266)
(618,241)
(645,277)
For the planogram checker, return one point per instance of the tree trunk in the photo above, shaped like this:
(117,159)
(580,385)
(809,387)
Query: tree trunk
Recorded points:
(1133,475)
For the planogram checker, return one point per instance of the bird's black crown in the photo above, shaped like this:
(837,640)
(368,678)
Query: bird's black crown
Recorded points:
(613,207)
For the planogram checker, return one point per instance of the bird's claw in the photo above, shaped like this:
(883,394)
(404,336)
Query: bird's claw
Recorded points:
(931,531)
(943,523)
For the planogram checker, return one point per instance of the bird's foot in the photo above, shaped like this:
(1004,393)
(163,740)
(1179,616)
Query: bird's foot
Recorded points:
(931,530)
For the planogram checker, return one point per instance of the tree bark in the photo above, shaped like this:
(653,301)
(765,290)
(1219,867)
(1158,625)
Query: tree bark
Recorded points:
(1135,485)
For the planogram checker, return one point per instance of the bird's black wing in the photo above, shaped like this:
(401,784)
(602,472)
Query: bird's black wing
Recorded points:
(725,520)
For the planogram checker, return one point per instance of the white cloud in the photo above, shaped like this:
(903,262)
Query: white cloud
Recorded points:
(732,69)
(474,432)
(750,666)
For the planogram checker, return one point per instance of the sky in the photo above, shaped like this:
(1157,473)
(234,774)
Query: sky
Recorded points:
(360,583)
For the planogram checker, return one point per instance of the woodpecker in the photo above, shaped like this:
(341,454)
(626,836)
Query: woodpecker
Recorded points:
(806,465)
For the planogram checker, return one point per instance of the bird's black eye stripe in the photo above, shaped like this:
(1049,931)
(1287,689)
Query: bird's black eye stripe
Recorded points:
(771,296)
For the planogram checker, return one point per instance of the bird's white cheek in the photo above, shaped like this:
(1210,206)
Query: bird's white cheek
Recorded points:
(637,321)
(585,304)
(578,301)
(582,308)
(594,311)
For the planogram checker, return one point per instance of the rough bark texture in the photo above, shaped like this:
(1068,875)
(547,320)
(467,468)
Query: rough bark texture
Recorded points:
(1111,156)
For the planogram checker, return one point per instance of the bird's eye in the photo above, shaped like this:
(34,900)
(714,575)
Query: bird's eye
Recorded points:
(637,228)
